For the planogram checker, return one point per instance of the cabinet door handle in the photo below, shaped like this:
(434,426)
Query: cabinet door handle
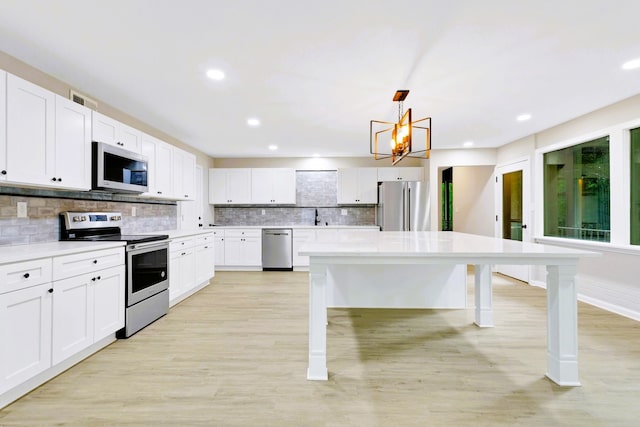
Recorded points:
(3,172)
(99,277)
(26,275)
(95,261)
(50,291)
(93,279)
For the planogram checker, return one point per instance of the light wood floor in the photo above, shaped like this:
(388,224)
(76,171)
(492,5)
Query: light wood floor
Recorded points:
(235,354)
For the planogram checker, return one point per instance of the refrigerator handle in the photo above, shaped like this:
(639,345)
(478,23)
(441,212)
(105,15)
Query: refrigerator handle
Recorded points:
(408,206)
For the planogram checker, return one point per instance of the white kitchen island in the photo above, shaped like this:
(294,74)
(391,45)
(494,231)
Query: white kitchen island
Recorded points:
(347,272)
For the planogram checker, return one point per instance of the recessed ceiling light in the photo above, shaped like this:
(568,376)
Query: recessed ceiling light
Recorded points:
(523,117)
(214,74)
(273,147)
(468,144)
(631,65)
(253,122)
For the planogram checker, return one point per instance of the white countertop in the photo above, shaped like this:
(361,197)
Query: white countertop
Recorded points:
(17,253)
(311,226)
(175,234)
(432,244)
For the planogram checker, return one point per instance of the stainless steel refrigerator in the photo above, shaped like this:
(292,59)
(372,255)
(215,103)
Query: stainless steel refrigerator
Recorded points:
(404,206)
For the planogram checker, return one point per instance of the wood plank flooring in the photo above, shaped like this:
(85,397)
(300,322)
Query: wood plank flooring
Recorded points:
(235,354)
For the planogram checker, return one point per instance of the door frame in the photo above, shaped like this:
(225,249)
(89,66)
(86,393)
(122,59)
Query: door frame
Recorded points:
(523,164)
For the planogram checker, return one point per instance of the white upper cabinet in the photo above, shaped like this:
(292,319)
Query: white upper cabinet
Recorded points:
(184,175)
(148,148)
(111,131)
(273,186)
(357,186)
(48,138)
(230,186)
(30,133)
(3,125)
(160,155)
(401,174)
(72,145)
(164,169)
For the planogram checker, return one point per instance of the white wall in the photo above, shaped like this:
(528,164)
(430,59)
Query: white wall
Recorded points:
(442,159)
(473,195)
(610,281)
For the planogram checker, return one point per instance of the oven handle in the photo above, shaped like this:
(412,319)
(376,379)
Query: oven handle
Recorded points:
(148,245)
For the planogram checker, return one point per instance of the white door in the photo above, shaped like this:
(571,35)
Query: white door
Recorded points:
(25,334)
(219,250)
(513,208)
(30,133)
(284,185)
(73,145)
(72,316)
(108,306)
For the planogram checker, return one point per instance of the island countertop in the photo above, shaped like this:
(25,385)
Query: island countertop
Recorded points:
(433,244)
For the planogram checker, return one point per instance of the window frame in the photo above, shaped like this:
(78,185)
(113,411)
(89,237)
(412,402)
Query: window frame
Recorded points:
(620,188)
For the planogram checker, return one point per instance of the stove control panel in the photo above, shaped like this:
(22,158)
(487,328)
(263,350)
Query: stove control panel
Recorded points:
(80,220)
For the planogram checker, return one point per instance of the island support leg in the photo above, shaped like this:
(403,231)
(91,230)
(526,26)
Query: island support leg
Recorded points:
(562,325)
(317,369)
(483,298)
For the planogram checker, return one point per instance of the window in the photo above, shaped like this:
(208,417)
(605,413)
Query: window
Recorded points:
(576,192)
(635,186)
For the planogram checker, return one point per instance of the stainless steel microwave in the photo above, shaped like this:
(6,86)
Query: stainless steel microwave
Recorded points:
(117,170)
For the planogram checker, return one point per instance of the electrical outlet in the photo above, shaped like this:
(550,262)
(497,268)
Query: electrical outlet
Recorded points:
(134,211)
(22,209)
(263,212)
(343,212)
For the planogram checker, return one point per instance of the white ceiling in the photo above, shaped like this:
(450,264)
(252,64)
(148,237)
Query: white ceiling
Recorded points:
(316,72)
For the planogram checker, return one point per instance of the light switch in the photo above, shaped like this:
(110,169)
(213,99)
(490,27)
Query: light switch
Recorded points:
(263,212)
(343,212)
(133,211)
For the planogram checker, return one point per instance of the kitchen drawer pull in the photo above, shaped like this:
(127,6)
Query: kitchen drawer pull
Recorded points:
(50,291)
(95,261)
(25,275)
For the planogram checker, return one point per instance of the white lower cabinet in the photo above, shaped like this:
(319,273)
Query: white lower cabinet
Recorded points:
(300,236)
(25,334)
(218,242)
(182,267)
(205,257)
(86,308)
(53,308)
(243,247)
(191,264)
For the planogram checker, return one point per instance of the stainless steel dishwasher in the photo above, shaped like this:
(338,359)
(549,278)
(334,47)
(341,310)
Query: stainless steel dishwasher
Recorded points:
(277,249)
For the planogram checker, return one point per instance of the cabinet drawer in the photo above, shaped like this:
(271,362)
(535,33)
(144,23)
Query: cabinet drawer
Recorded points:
(204,239)
(22,275)
(86,262)
(181,243)
(243,233)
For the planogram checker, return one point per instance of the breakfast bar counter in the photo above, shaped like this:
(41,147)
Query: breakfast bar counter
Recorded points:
(397,269)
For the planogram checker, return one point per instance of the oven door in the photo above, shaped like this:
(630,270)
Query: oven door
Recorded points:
(147,270)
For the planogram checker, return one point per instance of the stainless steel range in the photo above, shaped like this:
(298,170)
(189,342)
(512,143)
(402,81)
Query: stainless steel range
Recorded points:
(147,263)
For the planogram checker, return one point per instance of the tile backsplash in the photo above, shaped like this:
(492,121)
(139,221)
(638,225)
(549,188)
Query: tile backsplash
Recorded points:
(314,190)
(42,223)
(355,215)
